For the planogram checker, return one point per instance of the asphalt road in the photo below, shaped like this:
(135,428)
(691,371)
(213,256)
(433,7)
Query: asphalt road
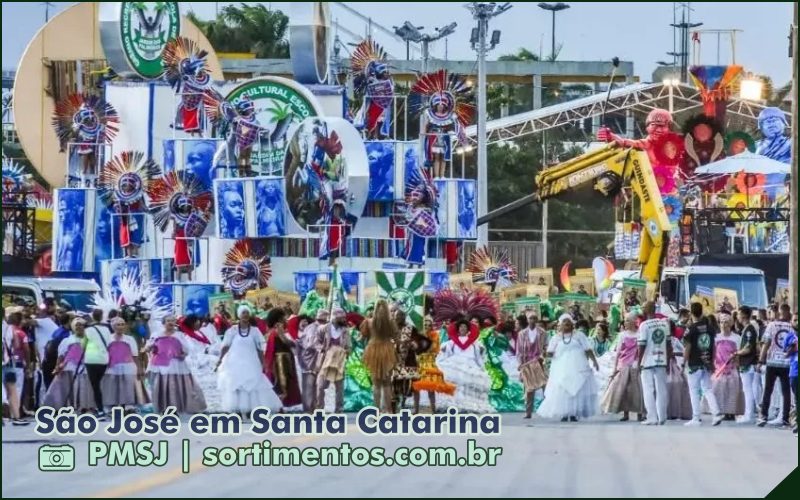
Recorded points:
(599,457)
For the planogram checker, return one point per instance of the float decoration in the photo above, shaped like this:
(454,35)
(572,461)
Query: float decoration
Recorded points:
(186,70)
(444,99)
(372,80)
(240,127)
(704,144)
(85,119)
(714,84)
(15,179)
(124,180)
(739,142)
(246,268)
(751,184)
(492,268)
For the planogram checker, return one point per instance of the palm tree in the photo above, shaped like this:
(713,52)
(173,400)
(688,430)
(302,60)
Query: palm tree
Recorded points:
(247,28)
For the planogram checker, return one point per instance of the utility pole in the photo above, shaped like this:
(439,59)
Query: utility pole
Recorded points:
(482,12)
(554,8)
(793,229)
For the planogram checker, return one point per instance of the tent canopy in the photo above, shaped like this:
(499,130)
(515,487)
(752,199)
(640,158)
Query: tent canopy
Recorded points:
(747,162)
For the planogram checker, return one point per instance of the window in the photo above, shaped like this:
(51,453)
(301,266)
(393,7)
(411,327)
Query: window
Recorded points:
(14,295)
(750,289)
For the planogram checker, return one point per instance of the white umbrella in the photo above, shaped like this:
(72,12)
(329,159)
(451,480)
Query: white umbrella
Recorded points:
(747,162)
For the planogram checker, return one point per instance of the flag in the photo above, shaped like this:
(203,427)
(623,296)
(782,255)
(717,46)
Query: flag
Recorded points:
(406,289)
(337,296)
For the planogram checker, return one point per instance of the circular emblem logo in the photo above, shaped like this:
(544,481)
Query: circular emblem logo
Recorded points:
(145,29)
(704,341)
(658,336)
(402,298)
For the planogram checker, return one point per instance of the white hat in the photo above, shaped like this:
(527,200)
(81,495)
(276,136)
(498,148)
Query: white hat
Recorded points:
(242,308)
(564,318)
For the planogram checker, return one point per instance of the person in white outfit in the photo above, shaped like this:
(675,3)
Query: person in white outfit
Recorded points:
(699,361)
(242,383)
(655,352)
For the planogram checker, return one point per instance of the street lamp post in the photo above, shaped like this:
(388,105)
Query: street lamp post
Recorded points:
(553,7)
(482,12)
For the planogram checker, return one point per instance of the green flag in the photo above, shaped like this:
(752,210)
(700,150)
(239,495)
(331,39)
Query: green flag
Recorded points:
(406,289)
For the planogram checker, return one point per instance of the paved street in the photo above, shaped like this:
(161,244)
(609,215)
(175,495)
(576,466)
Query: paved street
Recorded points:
(600,457)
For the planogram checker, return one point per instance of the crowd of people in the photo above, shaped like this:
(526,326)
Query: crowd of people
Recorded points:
(728,365)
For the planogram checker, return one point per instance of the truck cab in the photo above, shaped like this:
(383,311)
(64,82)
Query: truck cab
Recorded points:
(678,284)
(70,294)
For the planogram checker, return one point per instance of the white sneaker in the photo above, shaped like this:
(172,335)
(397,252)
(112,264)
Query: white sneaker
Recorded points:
(649,422)
(777,421)
(693,423)
(745,420)
(717,420)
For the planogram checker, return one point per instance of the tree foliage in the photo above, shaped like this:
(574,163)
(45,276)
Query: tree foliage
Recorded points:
(247,28)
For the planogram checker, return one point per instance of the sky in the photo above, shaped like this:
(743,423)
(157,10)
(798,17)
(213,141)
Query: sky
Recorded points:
(635,31)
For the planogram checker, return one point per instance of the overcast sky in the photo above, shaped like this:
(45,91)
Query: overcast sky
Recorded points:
(637,32)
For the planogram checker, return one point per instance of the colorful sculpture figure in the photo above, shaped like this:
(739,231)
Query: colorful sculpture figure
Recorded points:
(122,186)
(372,80)
(186,70)
(421,215)
(664,148)
(240,127)
(185,203)
(774,145)
(246,267)
(704,144)
(444,99)
(89,123)
(492,268)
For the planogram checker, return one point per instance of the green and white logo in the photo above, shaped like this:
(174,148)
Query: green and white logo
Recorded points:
(280,106)
(406,289)
(704,341)
(658,336)
(146,27)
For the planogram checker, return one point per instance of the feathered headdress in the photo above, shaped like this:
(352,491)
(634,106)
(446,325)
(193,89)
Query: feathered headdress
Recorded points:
(218,110)
(125,179)
(174,197)
(420,188)
(75,109)
(452,305)
(135,297)
(368,58)
(14,176)
(184,60)
(492,268)
(448,89)
(246,267)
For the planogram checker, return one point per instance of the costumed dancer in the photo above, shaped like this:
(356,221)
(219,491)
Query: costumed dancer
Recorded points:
(462,357)
(307,359)
(280,367)
(185,203)
(71,386)
(241,128)
(624,392)
(204,347)
(408,345)
(246,267)
(493,268)
(531,345)
(571,390)
(186,70)
(241,368)
(372,80)
(171,380)
(431,377)
(725,382)
(444,100)
(90,123)
(421,215)
(380,356)
(124,181)
(123,371)
(333,345)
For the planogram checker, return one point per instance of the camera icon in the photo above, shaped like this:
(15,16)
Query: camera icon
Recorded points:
(56,458)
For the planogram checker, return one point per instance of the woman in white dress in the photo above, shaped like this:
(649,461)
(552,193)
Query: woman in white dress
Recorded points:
(242,383)
(572,390)
(462,362)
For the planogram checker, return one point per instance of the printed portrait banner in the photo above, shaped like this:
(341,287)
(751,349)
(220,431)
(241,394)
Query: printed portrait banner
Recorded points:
(194,298)
(542,276)
(458,212)
(705,296)
(304,282)
(406,289)
(406,160)
(253,207)
(633,292)
(193,156)
(782,291)
(382,167)
(147,270)
(438,280)
(73,225)
(726,299)
(583,284)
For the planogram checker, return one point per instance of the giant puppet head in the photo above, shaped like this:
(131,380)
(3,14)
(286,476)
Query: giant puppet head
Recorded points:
(771,122)
(658,123)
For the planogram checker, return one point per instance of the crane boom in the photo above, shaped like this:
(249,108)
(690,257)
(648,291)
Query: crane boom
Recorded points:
(609,169)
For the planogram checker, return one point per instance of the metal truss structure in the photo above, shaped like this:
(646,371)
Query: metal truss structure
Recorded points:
(640,97)
(19,220)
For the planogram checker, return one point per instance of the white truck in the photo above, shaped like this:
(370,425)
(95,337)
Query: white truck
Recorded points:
(679,283)
(71,294)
